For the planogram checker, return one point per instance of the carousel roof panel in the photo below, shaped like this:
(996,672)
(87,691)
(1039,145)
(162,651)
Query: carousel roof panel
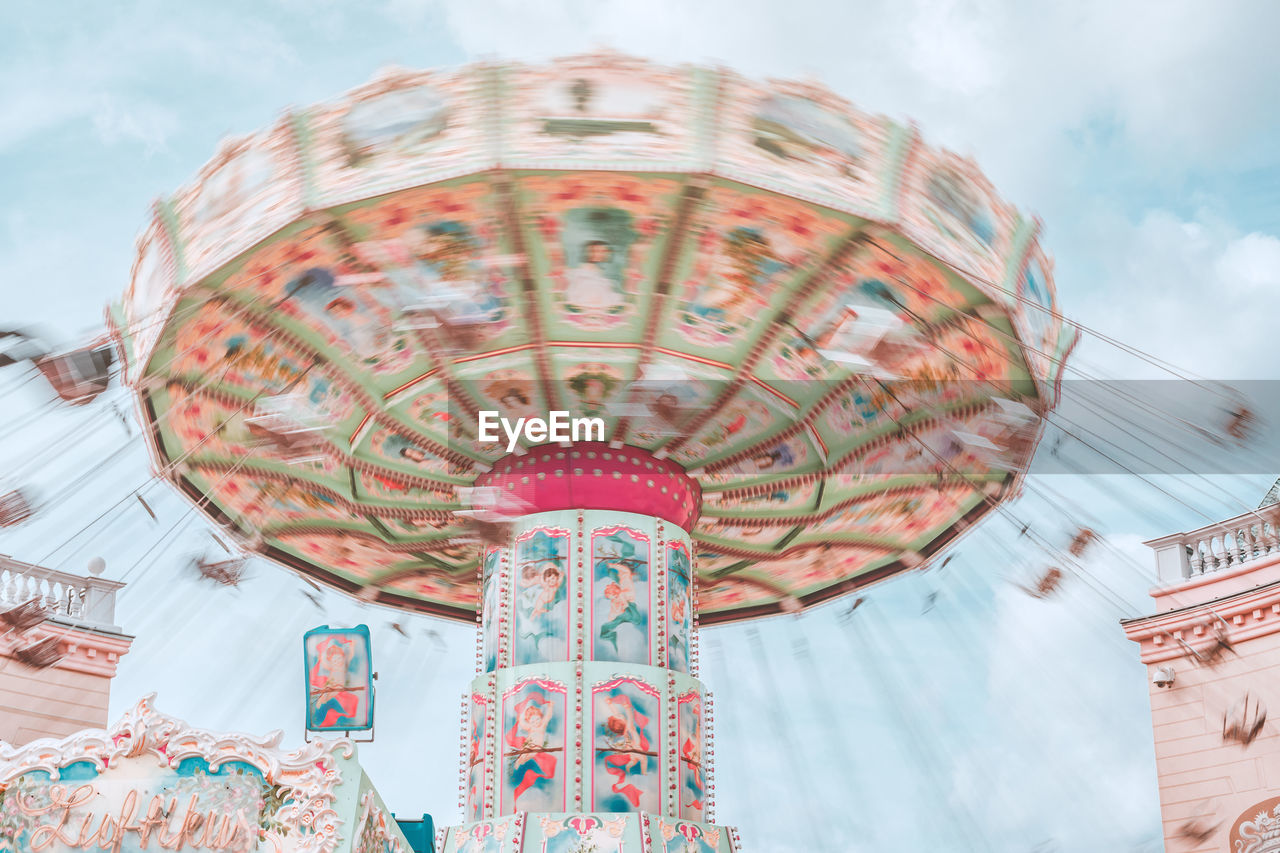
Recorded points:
(841,332)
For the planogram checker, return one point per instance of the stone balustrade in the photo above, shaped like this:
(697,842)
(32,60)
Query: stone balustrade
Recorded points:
(85,600)
(1221,545)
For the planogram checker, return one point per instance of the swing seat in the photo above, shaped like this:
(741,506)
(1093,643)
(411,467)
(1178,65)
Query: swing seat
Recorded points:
(15,508)
(79,376)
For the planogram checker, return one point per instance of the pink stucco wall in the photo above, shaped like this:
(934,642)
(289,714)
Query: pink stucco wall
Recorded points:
(65,698)
(1200,775)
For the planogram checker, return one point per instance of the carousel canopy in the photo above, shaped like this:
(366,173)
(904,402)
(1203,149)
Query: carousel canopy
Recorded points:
(842,334)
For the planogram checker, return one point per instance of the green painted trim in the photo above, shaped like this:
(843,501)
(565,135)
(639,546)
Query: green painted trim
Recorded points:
(167,214)
(897,148)
(303,138)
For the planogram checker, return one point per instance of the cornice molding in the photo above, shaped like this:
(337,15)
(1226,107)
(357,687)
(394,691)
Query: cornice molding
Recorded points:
(1250,614)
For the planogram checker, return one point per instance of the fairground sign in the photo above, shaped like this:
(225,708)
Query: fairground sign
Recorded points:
(151,783)
(1257,829)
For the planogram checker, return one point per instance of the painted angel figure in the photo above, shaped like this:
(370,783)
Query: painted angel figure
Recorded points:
(691,755)
(541,600)
(547,592)
(529,760)
(625,736)
(333,700)
(621,566)
(622,600)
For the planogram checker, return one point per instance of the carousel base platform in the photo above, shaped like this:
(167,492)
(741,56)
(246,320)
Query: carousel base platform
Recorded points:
(599,832)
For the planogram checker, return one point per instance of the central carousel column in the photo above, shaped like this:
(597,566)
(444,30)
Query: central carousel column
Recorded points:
(587,727)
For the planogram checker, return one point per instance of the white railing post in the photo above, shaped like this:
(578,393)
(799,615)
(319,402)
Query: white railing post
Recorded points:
(99,603)
(1174,560)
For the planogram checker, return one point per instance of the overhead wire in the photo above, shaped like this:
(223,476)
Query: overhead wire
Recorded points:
(188,516)
(1155,361)
(919,742)
(1165,415)
(52,447)
(189,512)
(1228,495)
(1001,353)
(165,319)
(1062,362)
(171,465)
(954,639)
(1000,506)
(790,749)
(836,741)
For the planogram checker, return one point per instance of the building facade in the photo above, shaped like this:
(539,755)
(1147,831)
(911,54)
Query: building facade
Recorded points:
(1212,652)
(72,693)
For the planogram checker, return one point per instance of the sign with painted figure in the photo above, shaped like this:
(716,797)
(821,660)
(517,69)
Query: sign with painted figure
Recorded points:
(339,673)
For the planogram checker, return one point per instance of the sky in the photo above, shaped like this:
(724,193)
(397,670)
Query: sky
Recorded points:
(1142,134)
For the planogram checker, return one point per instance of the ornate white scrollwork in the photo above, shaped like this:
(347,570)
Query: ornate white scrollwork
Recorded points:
(306,779)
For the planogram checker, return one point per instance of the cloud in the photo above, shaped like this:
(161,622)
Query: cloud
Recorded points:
(1090,114)
(107,67)
(1190,291)
(1252,264)
(147,123)
(1014,82)
(1061,680)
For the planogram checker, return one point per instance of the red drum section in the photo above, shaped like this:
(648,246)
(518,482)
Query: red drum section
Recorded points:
(596,476)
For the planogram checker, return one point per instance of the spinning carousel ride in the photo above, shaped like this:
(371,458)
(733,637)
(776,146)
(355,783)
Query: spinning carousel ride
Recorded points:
(815,348)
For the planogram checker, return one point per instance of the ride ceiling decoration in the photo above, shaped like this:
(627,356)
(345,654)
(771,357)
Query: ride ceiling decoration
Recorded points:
(842,333)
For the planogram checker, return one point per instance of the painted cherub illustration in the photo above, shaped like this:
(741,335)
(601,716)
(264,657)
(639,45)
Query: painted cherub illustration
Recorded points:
(619,562)
(547,591)
(333,700)
(625,736)
(529,762)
